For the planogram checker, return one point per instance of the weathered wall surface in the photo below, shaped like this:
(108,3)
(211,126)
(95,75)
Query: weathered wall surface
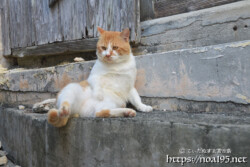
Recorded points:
(215,73)
(223,24)
(151,9)
(35,23)
(142,141)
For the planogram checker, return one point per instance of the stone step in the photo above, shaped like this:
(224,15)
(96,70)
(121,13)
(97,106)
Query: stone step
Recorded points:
(152,9)
(211,76)
(142,141)
(217,25)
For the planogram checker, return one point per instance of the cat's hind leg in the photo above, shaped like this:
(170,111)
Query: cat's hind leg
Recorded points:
(117,112)
(55,119)
(67,104)
(59,118)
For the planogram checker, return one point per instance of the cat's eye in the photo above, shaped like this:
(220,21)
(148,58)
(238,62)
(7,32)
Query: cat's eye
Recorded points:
(115,47)
(104,48)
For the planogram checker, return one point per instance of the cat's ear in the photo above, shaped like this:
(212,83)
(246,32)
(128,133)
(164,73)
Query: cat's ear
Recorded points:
(125,34)
(101,31)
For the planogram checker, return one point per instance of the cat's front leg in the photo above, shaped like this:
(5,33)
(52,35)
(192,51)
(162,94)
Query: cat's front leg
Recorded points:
(98,93)
(94,81)
(135,100)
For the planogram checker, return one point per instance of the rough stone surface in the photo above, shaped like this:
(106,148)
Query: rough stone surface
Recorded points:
(177,104)
(215,73)
(222,24)
(23,98)
(141,141)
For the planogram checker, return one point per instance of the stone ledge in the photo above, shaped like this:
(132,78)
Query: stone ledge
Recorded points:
(215,73)
(141,141)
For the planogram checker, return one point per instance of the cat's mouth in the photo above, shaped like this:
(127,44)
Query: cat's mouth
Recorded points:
(108,59)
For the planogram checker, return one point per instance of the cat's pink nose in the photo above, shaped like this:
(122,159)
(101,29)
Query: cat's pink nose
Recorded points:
(108,55)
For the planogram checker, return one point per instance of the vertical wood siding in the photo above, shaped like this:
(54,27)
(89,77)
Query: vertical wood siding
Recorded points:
(34,22)
(4,29)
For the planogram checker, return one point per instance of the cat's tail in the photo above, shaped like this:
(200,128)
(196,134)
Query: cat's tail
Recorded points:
(55,119)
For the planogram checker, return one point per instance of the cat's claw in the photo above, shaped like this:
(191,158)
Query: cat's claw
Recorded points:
(145,108)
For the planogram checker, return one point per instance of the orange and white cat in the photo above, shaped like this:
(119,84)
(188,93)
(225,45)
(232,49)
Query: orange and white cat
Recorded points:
(108,88)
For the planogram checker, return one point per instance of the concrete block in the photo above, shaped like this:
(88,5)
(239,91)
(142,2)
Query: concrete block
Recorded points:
(215,73)
(141,141)
(217,25)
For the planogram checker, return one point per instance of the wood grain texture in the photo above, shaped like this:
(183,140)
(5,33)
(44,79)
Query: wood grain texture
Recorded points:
(66,47)
(147,10)
(4,29)
(73,19)
(34,23)
(52,3)
(163,8)
(45,23)
(20,23)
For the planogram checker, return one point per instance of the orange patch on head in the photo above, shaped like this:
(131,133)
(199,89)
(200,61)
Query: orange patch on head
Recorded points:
(103,113)
(84,84)
(117,39)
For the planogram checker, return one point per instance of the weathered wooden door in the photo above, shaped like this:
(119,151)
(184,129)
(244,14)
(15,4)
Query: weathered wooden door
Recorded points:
(32,23)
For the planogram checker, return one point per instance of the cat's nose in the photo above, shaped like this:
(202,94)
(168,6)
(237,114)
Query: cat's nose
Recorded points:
(108,55)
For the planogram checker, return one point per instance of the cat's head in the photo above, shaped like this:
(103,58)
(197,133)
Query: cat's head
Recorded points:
(113,46)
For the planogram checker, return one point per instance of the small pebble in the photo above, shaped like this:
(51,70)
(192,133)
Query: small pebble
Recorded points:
(3,153)
(3,160)
(21,107)
(78,59)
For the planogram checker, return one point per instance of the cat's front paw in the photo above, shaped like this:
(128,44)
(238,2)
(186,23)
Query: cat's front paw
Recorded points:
(130,113)
(145,108)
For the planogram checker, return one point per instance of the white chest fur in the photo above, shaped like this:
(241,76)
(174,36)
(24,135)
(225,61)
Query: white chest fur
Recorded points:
(114,79)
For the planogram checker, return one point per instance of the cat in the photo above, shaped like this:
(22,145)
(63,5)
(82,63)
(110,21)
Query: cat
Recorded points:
(109,86)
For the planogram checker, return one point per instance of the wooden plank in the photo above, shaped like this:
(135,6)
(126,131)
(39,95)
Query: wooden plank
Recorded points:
(33,23)
(66,47)
(20,23)
(4,29)
(137,22)
(73,19)
(46,23)
(52,3)
(163,8)
(90,22)
(114,15)
(147,10)
(99,16)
